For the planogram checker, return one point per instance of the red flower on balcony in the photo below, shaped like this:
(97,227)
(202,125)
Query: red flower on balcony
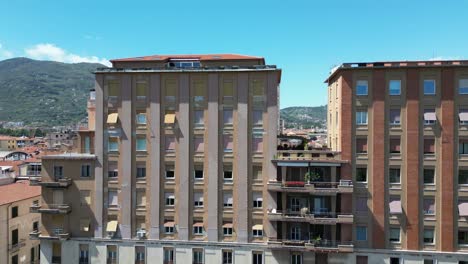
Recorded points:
(294,184)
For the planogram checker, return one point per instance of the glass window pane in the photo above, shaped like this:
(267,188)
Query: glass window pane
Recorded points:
(395,87)
(429,87)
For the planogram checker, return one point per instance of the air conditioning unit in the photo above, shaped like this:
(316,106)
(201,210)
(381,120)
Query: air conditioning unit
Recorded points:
(141,233)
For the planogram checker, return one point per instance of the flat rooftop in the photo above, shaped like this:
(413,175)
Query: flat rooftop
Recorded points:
(396,64)
(199,57)
(18,191)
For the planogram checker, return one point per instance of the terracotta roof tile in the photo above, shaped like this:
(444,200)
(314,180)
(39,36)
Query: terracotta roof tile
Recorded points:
(18,191)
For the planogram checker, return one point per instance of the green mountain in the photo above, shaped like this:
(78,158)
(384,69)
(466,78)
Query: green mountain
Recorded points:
(307,117)
(44,93)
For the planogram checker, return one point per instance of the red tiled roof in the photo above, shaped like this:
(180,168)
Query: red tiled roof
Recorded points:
(18,191)
(201,57)
(13,163)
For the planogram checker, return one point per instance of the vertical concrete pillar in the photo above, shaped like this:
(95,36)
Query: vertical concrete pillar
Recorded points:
(413,181)
(155,154)
(184,150)
(126,156)
(46,252)
(213,159)
(242,157)
(99,151)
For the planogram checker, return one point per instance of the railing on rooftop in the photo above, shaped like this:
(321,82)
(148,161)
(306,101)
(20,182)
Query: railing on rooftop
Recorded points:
(201,68)
(313,154)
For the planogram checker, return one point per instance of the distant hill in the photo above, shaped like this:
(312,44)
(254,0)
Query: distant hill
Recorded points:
(44,93)
(305,116)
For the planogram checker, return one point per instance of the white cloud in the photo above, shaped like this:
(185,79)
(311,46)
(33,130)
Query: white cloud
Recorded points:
(4,53)
(47,51)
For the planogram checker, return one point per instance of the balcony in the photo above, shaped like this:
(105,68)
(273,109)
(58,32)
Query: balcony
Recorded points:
(325,218)
(323,245)
(56,234)
(16,246)
(308,155)
(58,183)
(323,188)
(34,235)
(51,209)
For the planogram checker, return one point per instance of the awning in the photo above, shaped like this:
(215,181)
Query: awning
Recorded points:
(293,164)
(169,224)
(463,116)
(169,119)
(430,116)
(112,226)
(198,224)
(463,209)
(395,207)
(228,225)
(257,227)
(112,118)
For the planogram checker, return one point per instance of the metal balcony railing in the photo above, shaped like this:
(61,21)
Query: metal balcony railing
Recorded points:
(16,246)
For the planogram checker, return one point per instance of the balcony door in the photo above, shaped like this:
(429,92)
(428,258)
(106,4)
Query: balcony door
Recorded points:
(295,233)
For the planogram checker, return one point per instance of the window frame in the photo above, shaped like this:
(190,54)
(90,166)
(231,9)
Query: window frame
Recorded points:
(390,91)
(434,87)
(358,86)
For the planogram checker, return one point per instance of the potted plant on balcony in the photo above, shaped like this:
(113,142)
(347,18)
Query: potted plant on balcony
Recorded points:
(316,240)
(307,177)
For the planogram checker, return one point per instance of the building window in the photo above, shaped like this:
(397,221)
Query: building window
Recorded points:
(141,198)
(394,234)
(170,199)
(361,145)
(58,172)
(428,261)
(35,226)
(85,170)
(227,176)
(394,260)
(395,117)
(429,176)
(197,254)
(141,144)
(227,117)
(139,255)
(113,88)
(463,237)
(227,200)
(168,256)
(14,212)
(361,205)
(227,143)
(463,176)
(227,229)
(170,91)
(84,254)
(463,147)
(257,174)
(111,254)
(361,118)
(141,90)
(170,144)
(257,200)
(198,118)
(257,143)
(394,87)
(14,259)
(430,117)
(85,197)
(463,116)
(361,174)
(169,229)
(429,87)
(257,118)
(113,198)
(198,199)
(296,258)
(198,174)
(170,174)
(428,236)
(113,144)
(429,206)
(141,172)
(141,118)
(112,170)
(395,145)
(199,145)
(198,229)
(463,86)
(228,90)
(429,146)
(257,231)
(361,233)
(362,87)
(394,175)
(227,257)
(257,257)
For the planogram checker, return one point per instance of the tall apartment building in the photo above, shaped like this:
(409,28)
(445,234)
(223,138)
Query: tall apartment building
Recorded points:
(404,128)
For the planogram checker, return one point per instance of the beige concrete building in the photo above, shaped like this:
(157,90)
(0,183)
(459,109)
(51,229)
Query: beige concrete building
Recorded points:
(403,127)
(17,223)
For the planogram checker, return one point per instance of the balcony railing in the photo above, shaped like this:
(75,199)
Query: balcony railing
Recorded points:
(34,235)
(16,246)
(51,209)
(315,154)
(312,244)
(58,183)
(343,186)
(321,217)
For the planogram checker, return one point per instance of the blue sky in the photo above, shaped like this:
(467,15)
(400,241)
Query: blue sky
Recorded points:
(304,38)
